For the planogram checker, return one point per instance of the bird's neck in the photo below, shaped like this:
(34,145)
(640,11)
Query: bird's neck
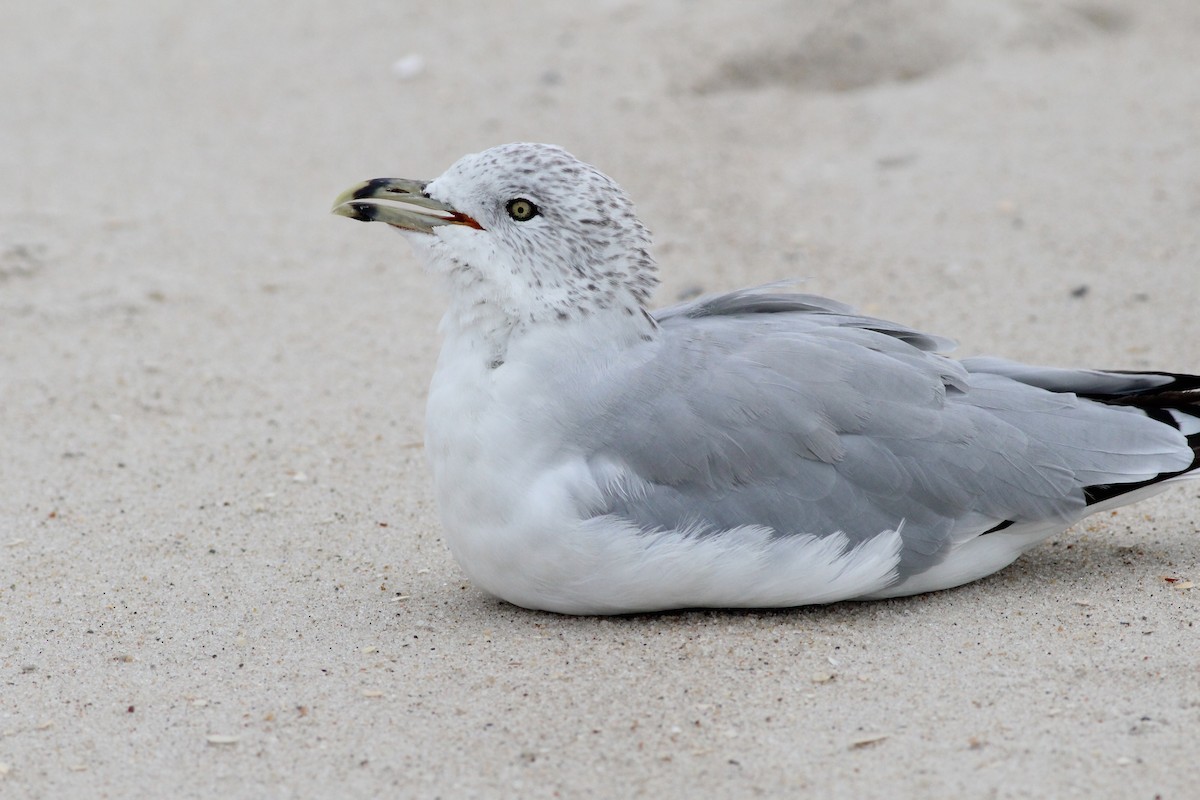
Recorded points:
(490,334)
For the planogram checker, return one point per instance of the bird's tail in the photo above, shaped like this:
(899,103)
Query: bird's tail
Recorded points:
(1175,401)
(1167,397)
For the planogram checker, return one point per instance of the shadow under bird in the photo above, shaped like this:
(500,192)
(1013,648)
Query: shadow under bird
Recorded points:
(753,449)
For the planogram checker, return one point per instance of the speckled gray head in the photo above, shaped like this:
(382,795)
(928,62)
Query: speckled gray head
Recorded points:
(526,228)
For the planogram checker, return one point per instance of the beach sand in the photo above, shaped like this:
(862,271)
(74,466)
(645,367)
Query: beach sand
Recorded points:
(221,571)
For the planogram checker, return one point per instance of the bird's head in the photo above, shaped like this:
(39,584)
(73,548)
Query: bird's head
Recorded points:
(525,228)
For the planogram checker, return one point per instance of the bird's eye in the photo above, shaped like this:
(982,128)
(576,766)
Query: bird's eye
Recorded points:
(522,210)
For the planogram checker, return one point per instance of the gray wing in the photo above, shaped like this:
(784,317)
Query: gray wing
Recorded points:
(793,413)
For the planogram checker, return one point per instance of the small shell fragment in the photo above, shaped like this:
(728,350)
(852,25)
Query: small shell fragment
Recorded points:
(220,738)
(867,741)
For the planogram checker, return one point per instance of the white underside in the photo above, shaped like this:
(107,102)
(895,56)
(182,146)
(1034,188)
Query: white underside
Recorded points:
(607,566)
(971,560)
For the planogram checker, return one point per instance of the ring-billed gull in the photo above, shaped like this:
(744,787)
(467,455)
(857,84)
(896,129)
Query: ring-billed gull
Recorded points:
(752,449)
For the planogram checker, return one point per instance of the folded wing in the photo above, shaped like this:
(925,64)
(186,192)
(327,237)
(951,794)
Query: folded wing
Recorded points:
(792,413)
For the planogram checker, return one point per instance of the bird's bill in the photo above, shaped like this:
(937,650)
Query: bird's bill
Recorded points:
(399,202)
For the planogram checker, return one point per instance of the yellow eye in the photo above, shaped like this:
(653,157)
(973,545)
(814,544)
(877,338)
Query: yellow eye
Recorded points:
(521,209)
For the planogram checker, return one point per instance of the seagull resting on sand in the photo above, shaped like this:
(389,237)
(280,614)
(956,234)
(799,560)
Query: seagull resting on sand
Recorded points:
(753,449)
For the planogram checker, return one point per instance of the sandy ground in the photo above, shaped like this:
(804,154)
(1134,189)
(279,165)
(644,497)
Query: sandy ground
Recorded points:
(220,565)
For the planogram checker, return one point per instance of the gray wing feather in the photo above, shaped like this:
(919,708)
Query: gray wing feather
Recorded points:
(760,300)
(791,412)
(1075,381)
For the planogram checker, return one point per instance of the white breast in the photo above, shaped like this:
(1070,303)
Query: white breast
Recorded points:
(505,488)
